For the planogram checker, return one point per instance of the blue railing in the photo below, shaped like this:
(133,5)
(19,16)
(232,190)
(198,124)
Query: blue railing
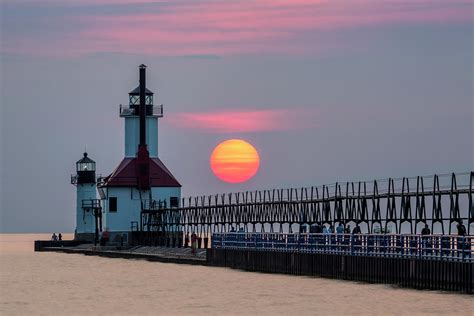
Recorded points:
(434,247)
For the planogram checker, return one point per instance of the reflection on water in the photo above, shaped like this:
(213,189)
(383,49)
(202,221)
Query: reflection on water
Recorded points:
(45,283)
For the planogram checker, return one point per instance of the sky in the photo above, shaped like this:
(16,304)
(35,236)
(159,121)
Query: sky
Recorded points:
(326,91)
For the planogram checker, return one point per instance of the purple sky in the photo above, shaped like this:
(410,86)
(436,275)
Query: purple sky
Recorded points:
(326,90)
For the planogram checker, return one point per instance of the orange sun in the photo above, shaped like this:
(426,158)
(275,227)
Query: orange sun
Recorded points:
(234,161)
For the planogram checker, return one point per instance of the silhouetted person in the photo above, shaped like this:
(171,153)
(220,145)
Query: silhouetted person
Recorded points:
(186,240)
(327,232)
(356,229)
(193,243)
(340,229)
(317,229)
(105,235)
(54,237)
(425,240)
(461,229)
(347,229)
(346,239)
(461,233)
(339,232)
(60,237)
(356,240)
(426,230)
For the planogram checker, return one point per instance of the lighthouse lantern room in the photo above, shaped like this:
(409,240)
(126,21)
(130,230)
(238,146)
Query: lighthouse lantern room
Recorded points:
(131,114)
(87,204)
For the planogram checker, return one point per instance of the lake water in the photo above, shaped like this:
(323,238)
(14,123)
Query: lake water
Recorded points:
(56,283)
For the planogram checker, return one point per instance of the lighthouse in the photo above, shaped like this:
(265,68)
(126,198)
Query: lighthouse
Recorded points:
(87,205)
(141,178)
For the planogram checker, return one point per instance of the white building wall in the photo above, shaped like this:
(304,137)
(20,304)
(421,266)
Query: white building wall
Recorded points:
(132,135)
(85,222)
(129,206)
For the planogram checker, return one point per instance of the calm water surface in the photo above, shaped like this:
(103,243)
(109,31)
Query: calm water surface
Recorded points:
(53,283)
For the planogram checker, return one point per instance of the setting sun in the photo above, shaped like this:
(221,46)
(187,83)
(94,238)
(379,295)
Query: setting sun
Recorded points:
(234,161)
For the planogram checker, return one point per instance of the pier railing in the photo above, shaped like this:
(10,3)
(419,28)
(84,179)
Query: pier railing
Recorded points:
(429,247)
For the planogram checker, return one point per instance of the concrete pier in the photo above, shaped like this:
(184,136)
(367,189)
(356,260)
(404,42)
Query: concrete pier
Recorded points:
(445,275)
(161,254)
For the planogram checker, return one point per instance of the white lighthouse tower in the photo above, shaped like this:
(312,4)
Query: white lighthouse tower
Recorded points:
(132,122)
(141,178)
(87,205)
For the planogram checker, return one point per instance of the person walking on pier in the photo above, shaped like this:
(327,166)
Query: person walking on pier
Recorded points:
(460,239)
(193,243)
(325,230)
(327,235)
(347,237)
(340,234)
(347,229)
(425,241)
(186,240)
(340,229)
(461,229)
(426,230)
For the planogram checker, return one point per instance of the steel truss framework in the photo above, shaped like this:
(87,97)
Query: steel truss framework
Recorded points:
(405,203)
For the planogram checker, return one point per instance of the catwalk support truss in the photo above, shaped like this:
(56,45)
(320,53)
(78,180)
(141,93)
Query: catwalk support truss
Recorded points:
(401,205)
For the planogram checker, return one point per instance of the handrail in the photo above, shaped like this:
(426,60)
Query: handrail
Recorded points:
(427,247)
(75,177)
(125,110)
(91,203)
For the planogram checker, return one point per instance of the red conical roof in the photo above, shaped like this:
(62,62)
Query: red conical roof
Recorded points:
(125,175)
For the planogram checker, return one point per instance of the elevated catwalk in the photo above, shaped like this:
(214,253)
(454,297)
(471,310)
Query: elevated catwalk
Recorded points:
(403,205)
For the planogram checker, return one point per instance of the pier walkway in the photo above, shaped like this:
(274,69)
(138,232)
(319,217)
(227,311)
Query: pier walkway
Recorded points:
(162,254)
(426,247)
(437,262)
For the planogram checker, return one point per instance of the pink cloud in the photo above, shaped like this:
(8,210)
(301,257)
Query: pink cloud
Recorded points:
(245,121)
(229,27)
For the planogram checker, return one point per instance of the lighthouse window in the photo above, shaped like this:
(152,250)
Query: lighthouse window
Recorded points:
(134,100)
(112,204)
(149,100)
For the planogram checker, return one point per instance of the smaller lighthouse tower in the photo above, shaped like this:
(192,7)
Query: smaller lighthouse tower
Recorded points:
(87,205)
